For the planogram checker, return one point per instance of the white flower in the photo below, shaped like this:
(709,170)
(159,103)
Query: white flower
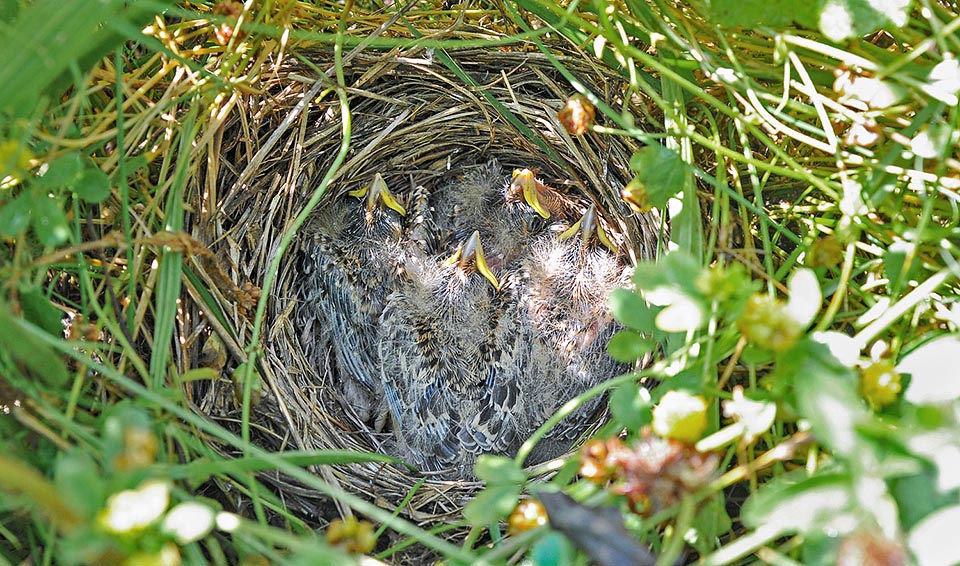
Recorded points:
(851,203)
(941,448)
(755,417)
(935,378)
(681,416)
(227,522)
(843,347)
(805,296)
(724,75)
(931,540)
(188,521)
(923,145)
(136,508)
(863,92)
(945,80)
(836,22)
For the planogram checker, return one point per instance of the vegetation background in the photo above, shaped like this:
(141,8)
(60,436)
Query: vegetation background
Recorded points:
(805,407)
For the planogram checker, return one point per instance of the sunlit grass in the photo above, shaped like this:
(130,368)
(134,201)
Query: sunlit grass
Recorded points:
(810,178)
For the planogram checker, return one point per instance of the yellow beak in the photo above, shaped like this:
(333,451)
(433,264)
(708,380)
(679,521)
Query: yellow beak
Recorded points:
(470,256)
(523,181)
(588,225)
(378,192)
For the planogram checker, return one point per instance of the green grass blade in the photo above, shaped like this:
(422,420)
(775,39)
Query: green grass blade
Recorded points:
(40,46)
(171,262)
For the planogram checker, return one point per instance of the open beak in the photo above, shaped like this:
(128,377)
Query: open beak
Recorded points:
(588,226)
(376,193)
(469,256)
(524,182)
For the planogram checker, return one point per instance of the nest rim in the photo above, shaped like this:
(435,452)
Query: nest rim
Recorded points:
(392,100)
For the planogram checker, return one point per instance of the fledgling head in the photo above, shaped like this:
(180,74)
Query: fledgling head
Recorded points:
(481,201)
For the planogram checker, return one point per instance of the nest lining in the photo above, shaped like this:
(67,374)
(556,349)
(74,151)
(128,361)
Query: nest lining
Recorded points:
(414,122)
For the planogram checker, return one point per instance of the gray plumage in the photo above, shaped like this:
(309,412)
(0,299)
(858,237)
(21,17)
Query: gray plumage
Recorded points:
(566,283)
(452,356)
(480,201)
(351,269)
(469,357)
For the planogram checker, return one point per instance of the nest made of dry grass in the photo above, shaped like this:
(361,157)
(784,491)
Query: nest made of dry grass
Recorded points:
(414,121)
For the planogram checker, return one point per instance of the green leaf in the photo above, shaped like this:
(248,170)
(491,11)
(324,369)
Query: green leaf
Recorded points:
(119,422)
(41,360)
(317,552)
(928,416)
(199,374)
(553,550)
(787,504)
(15,215)
(627,346)
(492,504)
(755,357)
(77,546)
(74,172)
(48,37)
(917,497)
(894,260)
(675,269)
(93,185)
(631,310)
(711,522)
(49,222)
(827,396)
(9,10)
(837,19)
(820,549)
(631,406)
(79,480)
(38,309)
(649,275)
(681,269)
(746,13)
(689,379)
(660,174)
(498,470)
(62,172)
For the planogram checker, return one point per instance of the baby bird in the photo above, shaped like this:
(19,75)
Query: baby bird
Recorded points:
(469,321)
(351,269)
(546,201)
(566,280)
(484,201)
(452,356)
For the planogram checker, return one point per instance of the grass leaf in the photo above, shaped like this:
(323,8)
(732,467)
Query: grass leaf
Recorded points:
(20,343)
(50,36)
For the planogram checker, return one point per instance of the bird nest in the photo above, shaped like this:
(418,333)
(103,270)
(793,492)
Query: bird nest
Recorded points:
(415,121)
